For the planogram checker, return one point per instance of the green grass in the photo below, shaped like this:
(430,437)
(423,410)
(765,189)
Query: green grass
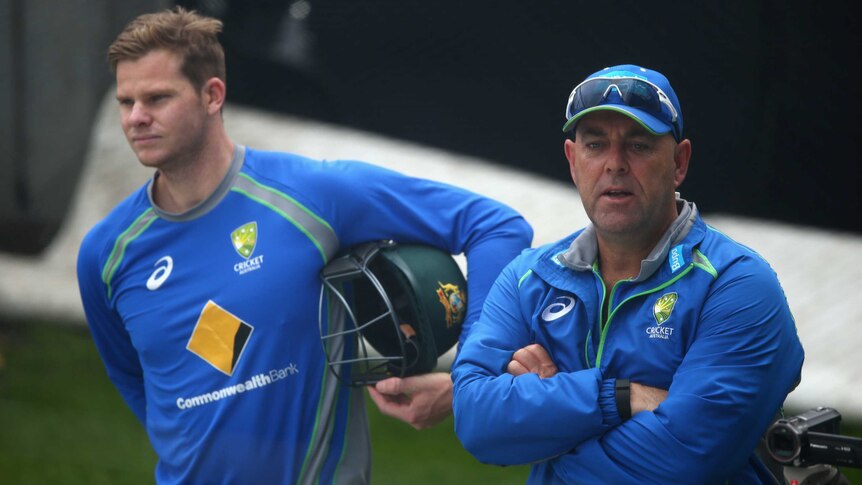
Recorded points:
(402,455)
(62,422)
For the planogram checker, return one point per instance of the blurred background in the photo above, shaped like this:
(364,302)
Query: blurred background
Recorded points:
(766,87)
(467,92)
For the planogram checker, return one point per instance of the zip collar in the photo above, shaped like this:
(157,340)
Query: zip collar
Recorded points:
(583,251)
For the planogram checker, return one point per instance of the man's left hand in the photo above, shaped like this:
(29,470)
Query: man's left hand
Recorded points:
(420,401)
(532,359)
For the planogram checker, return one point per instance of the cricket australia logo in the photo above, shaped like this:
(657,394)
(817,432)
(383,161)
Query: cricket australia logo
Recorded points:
(453,301)
(244,240)
(661,311)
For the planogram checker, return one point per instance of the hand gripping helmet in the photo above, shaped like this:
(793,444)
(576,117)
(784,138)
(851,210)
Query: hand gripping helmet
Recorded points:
(389,309)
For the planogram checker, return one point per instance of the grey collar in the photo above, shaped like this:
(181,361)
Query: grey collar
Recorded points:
(207,204)
(584,250)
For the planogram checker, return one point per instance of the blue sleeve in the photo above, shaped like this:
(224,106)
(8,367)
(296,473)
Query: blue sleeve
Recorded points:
(370,202)
(745,359)
(507,420)
(111,339)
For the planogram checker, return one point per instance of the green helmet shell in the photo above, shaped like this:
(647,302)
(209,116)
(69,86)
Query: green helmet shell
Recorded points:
(407,301)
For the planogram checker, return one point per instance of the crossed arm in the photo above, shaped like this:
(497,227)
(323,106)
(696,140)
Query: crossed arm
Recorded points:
(734,375)
(423,401)
(535,359)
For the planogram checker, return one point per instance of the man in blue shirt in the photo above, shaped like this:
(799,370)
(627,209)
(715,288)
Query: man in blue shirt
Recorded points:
(202,288)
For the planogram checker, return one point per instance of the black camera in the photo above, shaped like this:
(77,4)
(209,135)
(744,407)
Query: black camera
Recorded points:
(812,438)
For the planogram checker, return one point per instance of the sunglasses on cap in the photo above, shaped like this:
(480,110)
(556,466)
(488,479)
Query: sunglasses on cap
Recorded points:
(633,92)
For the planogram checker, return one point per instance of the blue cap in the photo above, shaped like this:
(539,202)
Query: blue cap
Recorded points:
(657,123)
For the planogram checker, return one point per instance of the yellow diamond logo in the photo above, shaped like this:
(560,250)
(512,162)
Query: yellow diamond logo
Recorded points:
(219,338)
(244,238)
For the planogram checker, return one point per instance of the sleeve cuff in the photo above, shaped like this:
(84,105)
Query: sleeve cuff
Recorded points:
(607,403)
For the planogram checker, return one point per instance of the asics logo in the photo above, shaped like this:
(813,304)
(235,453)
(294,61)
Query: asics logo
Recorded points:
(561,306)
(163,270)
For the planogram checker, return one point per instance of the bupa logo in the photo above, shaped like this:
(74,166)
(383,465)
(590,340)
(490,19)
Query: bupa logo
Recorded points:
(559,308)
(244,240)
(675,258)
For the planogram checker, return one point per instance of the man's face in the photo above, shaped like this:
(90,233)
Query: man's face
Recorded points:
(163,116)
(626,176)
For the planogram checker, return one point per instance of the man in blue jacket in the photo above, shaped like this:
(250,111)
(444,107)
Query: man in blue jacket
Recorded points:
(645,348)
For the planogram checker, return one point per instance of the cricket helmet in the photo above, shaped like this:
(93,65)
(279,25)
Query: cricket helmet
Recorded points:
(389,309)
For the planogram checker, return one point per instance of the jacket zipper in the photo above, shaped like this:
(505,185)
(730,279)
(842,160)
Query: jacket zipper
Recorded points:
(606,325)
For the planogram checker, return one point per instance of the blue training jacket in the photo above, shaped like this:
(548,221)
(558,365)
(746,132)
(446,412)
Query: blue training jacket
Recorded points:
(706,319)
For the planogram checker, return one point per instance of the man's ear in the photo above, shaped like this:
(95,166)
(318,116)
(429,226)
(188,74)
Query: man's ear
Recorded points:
(213,94)
(681,157)
(569,149)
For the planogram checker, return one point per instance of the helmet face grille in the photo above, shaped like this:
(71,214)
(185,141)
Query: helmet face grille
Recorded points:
(389,310)
(401,338)
(355,305)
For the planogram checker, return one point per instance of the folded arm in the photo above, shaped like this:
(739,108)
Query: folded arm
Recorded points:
(739,368)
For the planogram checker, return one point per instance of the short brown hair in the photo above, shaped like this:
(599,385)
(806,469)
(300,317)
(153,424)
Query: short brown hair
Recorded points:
(192,36)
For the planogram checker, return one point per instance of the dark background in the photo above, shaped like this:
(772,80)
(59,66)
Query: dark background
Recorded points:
(768,88)
(768,98)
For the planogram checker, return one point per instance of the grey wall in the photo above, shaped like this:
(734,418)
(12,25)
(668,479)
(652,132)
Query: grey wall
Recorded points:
(53,75)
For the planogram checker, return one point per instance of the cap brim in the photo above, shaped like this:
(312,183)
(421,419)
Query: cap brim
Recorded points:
(648,121)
